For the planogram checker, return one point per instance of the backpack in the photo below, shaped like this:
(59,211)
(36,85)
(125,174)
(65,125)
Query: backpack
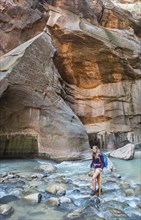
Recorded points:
(105,159)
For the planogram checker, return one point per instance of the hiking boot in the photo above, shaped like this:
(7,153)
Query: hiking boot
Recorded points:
(93,192)
(98,190)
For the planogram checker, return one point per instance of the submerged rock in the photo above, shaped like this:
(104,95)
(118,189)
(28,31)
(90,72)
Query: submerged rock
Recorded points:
(116,213)
(76,213)
(138,190)
(124,184)
(114,204)
(128,192)
(8,198)
(64,199)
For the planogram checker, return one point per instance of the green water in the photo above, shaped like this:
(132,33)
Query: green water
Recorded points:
(130,170)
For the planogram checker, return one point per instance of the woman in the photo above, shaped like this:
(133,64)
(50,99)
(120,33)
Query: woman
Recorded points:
(98,165)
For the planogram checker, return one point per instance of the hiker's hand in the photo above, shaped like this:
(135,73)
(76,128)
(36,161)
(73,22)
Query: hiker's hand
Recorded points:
(90,173)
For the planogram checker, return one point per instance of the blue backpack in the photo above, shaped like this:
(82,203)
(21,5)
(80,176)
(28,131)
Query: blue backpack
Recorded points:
(105,159)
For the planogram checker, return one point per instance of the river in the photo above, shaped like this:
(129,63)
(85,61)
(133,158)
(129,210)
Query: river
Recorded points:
(129,171)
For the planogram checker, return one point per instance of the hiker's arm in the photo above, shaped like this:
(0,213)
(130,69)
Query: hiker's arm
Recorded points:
(102,161)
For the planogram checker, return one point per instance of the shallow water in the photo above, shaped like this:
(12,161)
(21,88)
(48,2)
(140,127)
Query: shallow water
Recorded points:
(129,170)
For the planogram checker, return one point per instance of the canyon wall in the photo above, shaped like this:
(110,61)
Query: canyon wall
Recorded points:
(78,77)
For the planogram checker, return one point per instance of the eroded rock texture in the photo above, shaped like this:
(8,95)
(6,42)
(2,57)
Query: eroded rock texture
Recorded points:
(101,70)
(20,20)
(86,65)
(31,101)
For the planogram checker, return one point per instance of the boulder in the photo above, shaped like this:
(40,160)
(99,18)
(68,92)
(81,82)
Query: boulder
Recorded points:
(47,168)
(127,152)
(54,201)
(64,200)
(36,197)
(6,209)
(56,189)
(51,189)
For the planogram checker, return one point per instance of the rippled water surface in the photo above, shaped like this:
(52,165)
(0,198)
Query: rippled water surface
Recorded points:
(129,170)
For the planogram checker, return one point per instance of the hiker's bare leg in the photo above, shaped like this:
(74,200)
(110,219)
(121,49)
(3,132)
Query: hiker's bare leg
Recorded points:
(99,179)
(95,175)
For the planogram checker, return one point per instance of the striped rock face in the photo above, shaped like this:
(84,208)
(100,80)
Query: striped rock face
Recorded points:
(79,77)
(101,72)
(34,118)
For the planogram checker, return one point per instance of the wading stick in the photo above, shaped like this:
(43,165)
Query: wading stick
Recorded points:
(99,180)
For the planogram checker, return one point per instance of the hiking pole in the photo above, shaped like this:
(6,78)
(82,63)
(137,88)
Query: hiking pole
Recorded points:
(99,184)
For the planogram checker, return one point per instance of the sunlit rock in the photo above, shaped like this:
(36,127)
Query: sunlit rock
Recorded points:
(6,209)
(36,197)
(127,152)
(47,168)
(54,201)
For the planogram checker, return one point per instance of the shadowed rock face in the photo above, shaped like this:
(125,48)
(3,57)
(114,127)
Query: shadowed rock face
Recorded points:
(86,65)
(19,22)
(31,101)
(23,19)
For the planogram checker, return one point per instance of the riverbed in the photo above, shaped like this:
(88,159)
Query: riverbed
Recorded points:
(120,198)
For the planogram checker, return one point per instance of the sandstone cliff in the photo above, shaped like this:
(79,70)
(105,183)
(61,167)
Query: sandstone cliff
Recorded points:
(31,103)
(86,67)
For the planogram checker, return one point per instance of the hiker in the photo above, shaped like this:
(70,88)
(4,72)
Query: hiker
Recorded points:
(98,165)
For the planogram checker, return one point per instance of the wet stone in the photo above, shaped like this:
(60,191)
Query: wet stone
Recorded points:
(56,189)
(128,192)
(8,198)
(54,201)
(114,204)
(76,214)
(64,199)
(139,205)
(118,213)
(3,175)
(6,209)
(36,197)
(138,190)
(124,184)
(48,168)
